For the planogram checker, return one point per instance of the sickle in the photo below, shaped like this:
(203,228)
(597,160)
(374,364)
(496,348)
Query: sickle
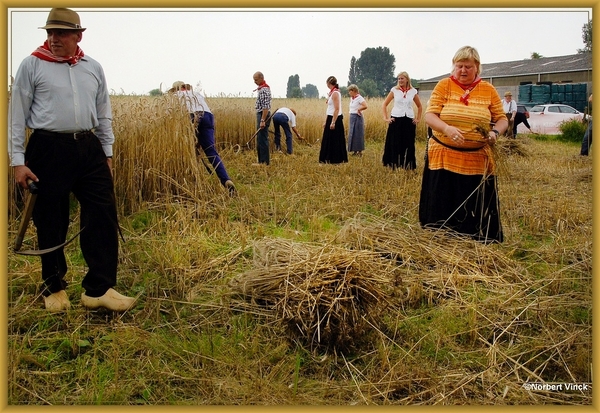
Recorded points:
(47,250)
(33,190)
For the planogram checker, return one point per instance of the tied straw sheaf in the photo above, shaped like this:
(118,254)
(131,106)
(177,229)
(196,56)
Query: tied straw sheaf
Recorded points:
(324,295)
(331,295)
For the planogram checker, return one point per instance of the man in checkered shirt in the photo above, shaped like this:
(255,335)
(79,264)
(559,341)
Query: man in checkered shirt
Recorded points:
(263,118)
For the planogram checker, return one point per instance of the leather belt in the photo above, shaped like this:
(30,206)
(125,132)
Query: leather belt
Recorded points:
(68,135)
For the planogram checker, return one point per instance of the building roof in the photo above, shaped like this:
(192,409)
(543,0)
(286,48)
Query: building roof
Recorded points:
(558,64)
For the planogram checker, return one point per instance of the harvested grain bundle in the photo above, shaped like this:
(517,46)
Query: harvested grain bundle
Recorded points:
(434,263)
(325,296)
(512,147)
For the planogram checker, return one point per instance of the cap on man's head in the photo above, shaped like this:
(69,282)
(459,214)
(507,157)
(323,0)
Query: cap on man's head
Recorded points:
(508,94)
(65,19)
(177,85)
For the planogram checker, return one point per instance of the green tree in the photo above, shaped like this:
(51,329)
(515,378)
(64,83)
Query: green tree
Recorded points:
(293,82)
(155,92)
(368,88)
(353,75)
(310,91)
(535,55)
(377,64)
(296,92)
(586,34)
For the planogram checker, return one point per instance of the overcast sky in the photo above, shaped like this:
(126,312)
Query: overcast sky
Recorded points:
(219,50)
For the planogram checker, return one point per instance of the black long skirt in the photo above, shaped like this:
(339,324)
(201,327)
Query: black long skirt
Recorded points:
(333,143)
(467,204)
(399,149)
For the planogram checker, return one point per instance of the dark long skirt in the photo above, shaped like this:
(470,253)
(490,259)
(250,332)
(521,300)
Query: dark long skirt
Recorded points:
(399,150)
(333,143)
(467,204)
(356,133)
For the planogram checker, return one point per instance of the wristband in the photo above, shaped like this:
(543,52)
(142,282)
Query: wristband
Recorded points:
(496,132)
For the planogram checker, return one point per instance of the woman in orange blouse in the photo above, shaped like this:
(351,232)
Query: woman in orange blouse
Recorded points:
(459,183)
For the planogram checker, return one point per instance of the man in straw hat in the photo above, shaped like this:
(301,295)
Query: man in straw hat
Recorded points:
(61,94)
(510,109)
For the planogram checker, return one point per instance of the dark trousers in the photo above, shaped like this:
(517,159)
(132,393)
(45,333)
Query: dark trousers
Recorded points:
(205,139)
(281,120)
(587,140)
(64,165)
(520,118)
(262,139)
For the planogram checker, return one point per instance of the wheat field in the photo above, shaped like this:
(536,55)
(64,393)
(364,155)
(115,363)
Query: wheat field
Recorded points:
(315,284)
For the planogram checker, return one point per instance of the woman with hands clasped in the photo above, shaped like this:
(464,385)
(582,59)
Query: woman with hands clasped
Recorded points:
(459,189)
(399,150)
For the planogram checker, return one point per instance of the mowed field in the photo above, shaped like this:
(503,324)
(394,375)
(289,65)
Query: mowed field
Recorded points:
(315,285)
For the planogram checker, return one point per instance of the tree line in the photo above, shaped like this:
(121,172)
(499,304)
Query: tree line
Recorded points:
(372,72)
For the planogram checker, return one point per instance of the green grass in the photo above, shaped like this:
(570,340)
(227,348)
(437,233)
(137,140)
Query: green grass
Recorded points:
(450,340)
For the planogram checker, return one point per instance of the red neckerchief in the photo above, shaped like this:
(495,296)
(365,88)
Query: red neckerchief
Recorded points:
(355,96)
(333,89)
(403,90)
(465,97)
(43,52)
(263,84)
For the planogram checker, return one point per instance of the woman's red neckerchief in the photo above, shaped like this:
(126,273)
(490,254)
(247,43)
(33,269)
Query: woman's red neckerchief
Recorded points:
(263,84)
(355,96)
(333,89)
(43,52)
(468,88)
(404,91)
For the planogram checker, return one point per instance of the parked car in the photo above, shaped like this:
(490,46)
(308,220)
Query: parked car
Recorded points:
(546,119)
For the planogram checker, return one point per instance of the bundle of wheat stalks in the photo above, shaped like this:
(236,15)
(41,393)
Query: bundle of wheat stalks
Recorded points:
(508,146)
(324,295)
(434,264)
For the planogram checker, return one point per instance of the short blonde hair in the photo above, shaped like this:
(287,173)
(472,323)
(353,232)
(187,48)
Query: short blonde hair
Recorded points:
(353,87)
(467,53)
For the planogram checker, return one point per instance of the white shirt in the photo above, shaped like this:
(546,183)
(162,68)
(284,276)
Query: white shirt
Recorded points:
(194,101)
(330,107)
(290,115)
(403,105)
(58,97)
(509,106)
(355,103)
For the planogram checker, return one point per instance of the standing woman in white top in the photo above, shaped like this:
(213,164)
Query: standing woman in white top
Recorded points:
(399,150)
(356,131)
(333,143)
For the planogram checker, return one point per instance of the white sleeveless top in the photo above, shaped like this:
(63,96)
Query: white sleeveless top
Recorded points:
(330,107)
(403,106)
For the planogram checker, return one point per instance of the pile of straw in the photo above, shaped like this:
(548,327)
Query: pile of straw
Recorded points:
(323,295)
(508,146)
(434,264)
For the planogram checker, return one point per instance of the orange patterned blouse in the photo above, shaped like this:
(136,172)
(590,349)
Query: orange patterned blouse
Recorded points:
(484,107)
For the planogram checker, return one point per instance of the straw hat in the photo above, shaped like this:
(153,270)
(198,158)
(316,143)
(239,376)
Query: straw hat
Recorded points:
(507,94)
(177,85)
(63,19)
